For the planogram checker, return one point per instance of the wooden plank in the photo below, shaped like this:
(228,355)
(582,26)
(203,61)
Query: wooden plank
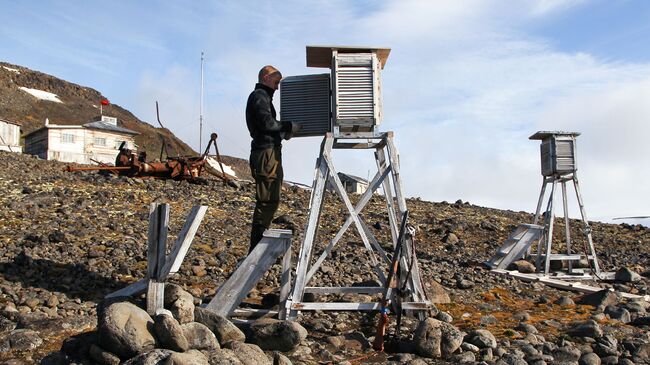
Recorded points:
(247,275)
(155,296)
(336,306)
(253,312)
(132,290)
(157,238)
(285,279)
(344,290)
(183,242)
(562,284)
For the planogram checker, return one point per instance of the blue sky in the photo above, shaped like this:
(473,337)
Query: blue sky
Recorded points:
(465,85)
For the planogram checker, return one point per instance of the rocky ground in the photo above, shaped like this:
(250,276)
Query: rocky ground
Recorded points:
(68,239)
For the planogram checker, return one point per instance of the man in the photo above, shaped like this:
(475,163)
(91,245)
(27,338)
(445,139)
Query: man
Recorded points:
(266,150)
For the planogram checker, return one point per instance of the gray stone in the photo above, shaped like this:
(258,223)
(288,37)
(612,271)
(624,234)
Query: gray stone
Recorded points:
(566,354)
(275,335)
(481,338)
(223,357)
(434,338)
(436,292)
(170,333)
(444,316)
(606,346)
(180,303)
(124,330)
(618,313)
(191,357)
(641,321)
(465,346)
(589,328)
(589,359)
(565,301)
(526,327)
(249,354)
(199,336)
(463,358)
(601,298)
(280,359)
(626,275)
(219,325)
(609,360)
(102,356)
(642,352)
(154,357)
(22,340)
(523,266)
(521,316)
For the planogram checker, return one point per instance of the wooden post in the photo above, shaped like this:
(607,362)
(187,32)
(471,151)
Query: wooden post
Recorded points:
(157,241)
(158,272)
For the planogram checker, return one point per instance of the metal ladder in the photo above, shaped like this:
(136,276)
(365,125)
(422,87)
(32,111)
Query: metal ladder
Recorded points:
(516,246)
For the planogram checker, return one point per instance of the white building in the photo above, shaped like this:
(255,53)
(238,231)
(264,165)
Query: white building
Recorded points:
(99,140)
(353,184)
(10,136)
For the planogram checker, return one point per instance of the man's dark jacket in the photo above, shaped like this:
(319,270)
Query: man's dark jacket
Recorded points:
(260,119)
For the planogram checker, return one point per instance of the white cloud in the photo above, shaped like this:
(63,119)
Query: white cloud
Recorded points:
(464,87)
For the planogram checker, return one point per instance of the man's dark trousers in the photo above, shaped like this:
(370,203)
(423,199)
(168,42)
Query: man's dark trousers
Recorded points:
(266,169)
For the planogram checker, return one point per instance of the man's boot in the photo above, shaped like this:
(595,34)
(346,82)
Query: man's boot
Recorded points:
(257,232)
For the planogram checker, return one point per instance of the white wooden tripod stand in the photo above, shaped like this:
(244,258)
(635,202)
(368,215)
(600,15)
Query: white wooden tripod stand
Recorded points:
(544,244)
(387,161)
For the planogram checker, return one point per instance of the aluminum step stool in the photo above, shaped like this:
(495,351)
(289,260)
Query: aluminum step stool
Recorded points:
(516,246)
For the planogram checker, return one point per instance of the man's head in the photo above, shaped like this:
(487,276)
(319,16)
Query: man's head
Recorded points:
(270,76)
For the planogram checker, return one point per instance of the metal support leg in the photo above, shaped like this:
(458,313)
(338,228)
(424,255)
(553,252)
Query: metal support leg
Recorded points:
(567,228)
(315,207)
(587,228)
(549,230)
(539,201)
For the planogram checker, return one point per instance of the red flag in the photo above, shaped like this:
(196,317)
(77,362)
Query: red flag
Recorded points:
(105,102)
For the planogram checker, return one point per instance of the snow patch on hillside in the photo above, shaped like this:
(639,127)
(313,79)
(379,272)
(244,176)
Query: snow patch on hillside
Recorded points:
(12,69)
(42,95)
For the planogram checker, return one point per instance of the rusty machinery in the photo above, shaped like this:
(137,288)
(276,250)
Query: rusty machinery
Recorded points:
(128,163)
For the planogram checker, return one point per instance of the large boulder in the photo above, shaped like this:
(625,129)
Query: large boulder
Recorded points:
(219,325)
(125,330)
(601,299)
(482,339)
(434,338)
(249,354)
(589,328)
(180,303)
(275,335)
(436,292)
(154,357)
(170,333)
(223,357)
(191,357)
(199,336)
(626,275)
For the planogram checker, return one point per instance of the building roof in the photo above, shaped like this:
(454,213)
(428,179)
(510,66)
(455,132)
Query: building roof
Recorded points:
(109,127)
(352,177)
(546,134)
(321,56)
(11,122)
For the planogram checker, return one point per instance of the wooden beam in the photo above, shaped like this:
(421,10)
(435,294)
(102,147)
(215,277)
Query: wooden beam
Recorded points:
(183,242)
(249,272)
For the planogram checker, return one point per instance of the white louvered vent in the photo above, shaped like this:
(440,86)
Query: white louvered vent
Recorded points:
(305,100)
(356,90)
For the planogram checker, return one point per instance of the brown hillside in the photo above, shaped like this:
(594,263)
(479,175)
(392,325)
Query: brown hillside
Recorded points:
(79,105)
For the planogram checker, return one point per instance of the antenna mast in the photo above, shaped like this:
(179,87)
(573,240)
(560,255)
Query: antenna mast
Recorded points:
(201,107)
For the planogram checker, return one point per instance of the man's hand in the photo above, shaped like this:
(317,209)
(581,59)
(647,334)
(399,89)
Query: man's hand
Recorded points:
(295,127)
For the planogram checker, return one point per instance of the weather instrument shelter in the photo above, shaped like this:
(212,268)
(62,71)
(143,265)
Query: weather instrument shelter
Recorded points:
(344,106)
(559,166)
